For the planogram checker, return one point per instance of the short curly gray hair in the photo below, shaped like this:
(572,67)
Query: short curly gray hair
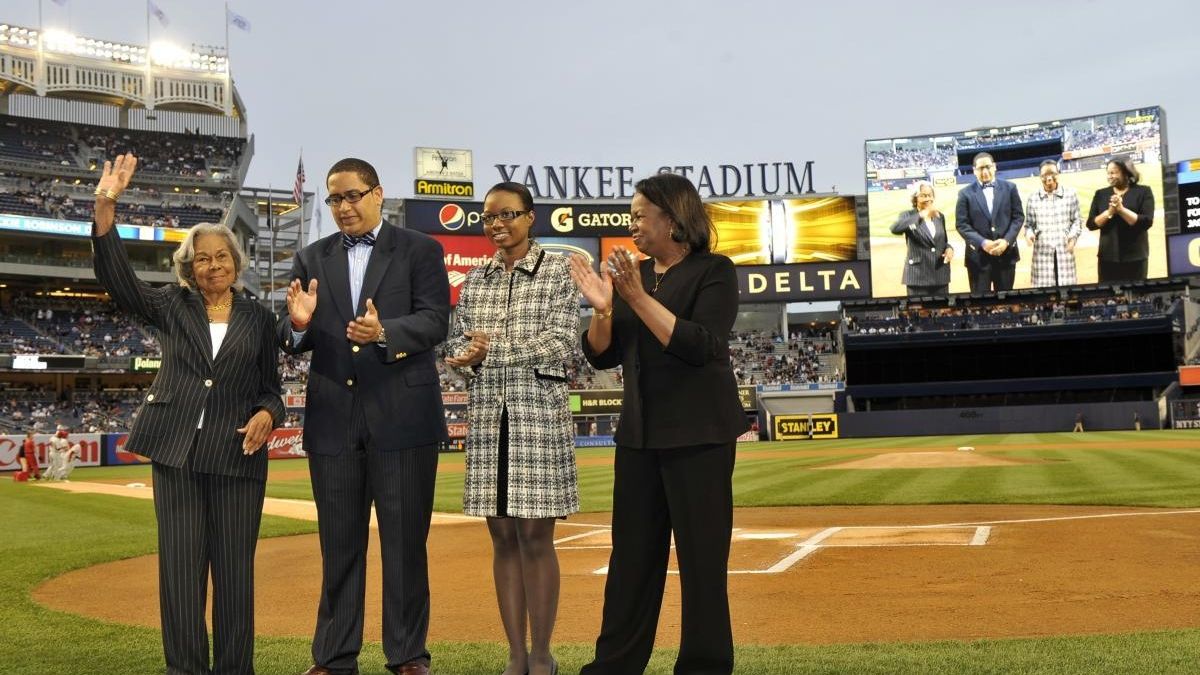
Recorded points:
(186,253)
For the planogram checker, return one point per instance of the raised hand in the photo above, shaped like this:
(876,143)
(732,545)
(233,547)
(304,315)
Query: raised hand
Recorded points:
(300,303)
(114,178)
(115,175)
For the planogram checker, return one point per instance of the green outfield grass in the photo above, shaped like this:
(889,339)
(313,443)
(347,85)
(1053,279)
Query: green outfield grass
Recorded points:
(47,532)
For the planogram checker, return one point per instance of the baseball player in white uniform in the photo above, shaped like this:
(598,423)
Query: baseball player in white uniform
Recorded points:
(62,455)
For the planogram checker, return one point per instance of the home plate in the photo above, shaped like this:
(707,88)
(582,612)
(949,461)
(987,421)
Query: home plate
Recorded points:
(966,448)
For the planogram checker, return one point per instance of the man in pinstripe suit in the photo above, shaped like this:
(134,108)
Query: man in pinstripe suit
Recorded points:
(371,302)
(204,423)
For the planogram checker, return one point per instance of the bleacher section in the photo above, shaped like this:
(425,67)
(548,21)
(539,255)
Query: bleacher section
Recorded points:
(83,146)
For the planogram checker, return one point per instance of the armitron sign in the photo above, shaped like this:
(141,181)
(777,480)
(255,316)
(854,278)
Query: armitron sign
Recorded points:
(443,188)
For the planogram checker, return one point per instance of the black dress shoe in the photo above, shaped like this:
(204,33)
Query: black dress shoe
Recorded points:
(410,668)
(322,670)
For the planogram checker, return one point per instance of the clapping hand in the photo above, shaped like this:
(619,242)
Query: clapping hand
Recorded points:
(301,303)
(597,289)
(365,329)
(623,269)
(475,353)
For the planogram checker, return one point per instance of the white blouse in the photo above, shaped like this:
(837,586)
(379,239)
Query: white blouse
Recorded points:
(218,331)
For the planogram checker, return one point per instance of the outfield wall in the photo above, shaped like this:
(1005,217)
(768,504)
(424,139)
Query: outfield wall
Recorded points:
(998,420)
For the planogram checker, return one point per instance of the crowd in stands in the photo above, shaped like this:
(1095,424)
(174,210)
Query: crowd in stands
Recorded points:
(37,141)
(186,154)
(901,158)
(82,326)
(1110,134)
(80,411)
(46,203)
(1073,138)
(293,369)
(189,154)
(1023,136)
(1006,315)
(761,358)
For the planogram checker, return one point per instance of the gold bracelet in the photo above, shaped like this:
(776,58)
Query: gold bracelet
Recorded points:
(603,315)
(111,194)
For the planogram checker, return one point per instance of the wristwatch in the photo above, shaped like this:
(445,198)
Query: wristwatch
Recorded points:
(382,337)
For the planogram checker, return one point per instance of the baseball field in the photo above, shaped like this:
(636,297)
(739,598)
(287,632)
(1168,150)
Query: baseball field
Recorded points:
(1029,553)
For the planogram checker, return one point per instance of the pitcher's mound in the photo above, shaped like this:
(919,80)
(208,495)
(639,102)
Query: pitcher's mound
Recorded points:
(923,460)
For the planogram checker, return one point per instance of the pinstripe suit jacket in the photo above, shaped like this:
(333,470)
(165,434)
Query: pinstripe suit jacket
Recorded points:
(397,384)
(228,390)
(923,265)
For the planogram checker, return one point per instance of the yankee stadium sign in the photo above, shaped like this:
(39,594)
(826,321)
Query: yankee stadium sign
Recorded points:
(616,182)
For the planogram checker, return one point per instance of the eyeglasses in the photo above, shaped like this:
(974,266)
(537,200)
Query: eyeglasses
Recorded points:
(505,216)
(352,196)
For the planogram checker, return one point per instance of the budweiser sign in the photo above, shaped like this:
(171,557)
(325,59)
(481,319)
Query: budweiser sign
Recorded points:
(286,444)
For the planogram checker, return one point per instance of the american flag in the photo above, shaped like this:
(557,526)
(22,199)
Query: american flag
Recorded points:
(158,13)
(298,189)
(237,20)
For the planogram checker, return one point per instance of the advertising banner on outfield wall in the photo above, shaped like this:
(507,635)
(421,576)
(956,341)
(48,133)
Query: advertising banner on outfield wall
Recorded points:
(286,444)
(116,454)
(608,401)
(12,448)
(797,427)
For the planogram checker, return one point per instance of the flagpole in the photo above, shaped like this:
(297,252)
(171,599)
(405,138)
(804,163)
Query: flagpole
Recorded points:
(300,235)
(228,67)
(151,99)
(316,219)
(271,262)
(40,78)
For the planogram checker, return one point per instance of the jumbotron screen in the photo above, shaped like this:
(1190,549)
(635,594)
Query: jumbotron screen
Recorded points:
(1081,147)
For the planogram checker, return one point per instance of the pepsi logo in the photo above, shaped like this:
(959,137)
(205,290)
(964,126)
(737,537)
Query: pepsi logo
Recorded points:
(452,217)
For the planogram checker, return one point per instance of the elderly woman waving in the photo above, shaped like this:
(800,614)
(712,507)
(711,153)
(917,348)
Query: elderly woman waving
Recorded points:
(204,423)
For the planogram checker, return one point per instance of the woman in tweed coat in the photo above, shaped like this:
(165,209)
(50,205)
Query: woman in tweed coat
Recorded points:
(516,324)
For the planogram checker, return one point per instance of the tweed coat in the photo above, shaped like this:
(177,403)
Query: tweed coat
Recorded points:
(1053,217)
(531,316)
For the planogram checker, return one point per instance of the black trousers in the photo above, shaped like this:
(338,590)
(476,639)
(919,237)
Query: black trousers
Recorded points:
(399,483)
(688,492)
(938,290)
(991,276)
(1121,271)
(206,523)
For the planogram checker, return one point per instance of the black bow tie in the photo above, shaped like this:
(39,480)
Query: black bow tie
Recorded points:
(987,185)
(349,241)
